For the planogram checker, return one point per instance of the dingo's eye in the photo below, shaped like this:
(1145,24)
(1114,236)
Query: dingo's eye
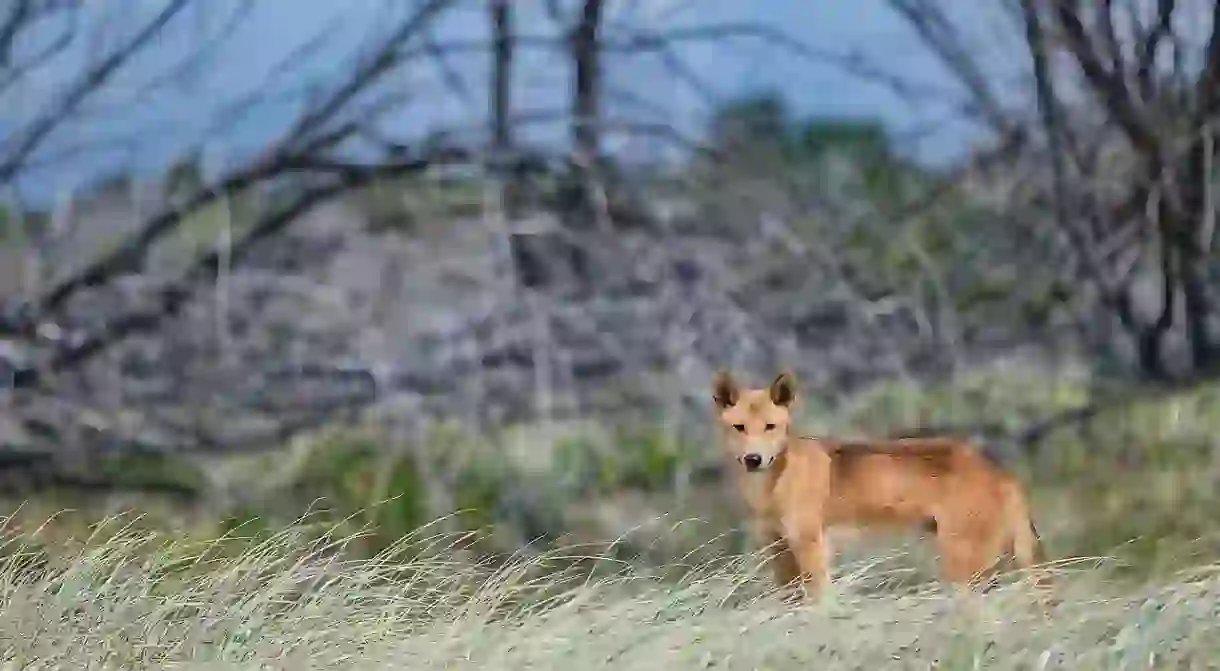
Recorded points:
(770,427)
(740,427)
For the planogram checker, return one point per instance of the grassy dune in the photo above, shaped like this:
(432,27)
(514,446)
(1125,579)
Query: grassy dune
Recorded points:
(1138,484)
(129,599)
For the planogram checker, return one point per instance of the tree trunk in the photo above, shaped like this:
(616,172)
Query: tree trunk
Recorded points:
(502,145)
(1195,230)
(586,98)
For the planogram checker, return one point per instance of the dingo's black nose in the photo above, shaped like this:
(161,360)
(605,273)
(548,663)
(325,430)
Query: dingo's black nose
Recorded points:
(752,461)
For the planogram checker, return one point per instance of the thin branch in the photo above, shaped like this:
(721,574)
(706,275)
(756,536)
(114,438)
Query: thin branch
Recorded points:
(1149,46)
(1209,79)
(18,15)
(373,68)
(91,81)
(1053,121)
(939,33)
(1109,38)
(1108,85)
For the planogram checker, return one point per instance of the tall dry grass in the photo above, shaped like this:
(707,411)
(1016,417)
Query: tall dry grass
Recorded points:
(130,599)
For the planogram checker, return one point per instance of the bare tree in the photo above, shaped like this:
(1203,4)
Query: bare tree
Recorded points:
(1153,228)
(87,309)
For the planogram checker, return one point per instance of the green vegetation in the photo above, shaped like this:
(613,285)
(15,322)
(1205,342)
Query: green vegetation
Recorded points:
(362,482)
(761,125)
(628,458)
(152,472)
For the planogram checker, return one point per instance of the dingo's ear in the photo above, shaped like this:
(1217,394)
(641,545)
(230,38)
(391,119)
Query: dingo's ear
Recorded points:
(783,389)
(724,390)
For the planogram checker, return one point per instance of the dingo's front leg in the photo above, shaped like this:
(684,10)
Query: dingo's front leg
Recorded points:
(808,544)
(775,550)
(784,565)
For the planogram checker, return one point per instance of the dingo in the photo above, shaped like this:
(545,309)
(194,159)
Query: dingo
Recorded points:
(795,488)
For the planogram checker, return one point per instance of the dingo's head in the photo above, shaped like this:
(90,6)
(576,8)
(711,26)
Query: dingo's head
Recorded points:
(756,421)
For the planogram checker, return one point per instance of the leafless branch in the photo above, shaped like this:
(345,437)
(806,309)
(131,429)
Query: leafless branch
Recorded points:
(18,149)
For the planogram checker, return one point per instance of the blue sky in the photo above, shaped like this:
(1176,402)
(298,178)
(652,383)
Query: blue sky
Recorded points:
(155,123)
